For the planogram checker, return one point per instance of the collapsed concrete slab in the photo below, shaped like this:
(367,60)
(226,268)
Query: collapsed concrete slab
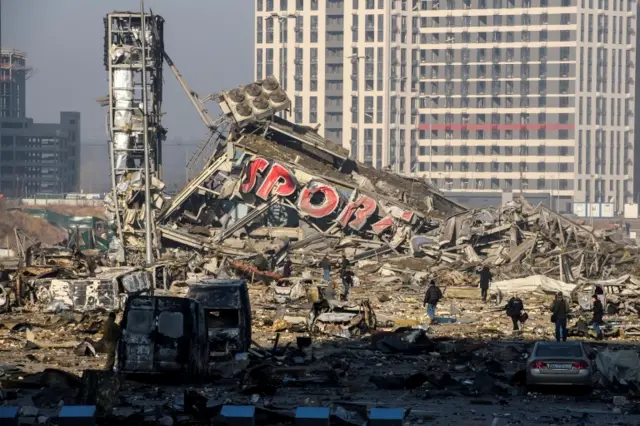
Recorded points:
(290,190)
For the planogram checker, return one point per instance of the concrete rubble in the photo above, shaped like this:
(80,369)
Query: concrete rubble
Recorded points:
(274,192)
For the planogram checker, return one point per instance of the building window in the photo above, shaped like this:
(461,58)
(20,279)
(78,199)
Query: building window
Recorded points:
(259,64)
(313,83)
(298,69)
(299,29)
(313,109)
(368,109)
(314,29)
(269,25)
(269,60)
(259,30)
(298,109)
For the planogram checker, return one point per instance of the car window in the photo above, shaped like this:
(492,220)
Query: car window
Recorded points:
(140,321)
(551,351)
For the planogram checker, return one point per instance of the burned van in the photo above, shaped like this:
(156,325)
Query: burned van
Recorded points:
(163,335)
(228,312)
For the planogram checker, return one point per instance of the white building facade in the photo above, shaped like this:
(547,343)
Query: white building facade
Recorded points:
(478,95)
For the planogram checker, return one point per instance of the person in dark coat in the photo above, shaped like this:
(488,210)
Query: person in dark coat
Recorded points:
(287,268)
(514,309)
(344,264)
(598,314)
(599,292)
(485,279)
(325,264)
(559,314)
(345,276)
(431,299)
(347,283)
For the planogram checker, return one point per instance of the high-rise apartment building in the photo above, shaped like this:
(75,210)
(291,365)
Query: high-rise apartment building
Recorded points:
(531,95)
(480,96)
(350,66)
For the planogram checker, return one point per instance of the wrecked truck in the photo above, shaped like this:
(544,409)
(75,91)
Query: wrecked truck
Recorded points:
(228,314)
(163,335)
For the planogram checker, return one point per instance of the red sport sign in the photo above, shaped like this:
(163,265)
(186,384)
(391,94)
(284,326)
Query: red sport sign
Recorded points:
(319,200)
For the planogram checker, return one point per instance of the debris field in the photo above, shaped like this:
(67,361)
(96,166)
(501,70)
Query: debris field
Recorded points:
(216,320)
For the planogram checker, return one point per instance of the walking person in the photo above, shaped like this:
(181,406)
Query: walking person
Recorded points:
(598,314)
(347,283)
(344,264)
(287,268)
(485,278)
(345,276)
(325,264)
(515,309)
(559,313)
(431,299)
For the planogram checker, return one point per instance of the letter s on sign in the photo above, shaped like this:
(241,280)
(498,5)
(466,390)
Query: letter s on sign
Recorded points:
(329,202)
(258,165)
(279,181)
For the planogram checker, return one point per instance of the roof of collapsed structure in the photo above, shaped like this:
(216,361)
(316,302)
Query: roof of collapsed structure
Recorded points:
(273,167)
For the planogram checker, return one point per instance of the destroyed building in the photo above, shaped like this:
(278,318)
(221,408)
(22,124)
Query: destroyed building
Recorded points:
(283,184)
(268,189)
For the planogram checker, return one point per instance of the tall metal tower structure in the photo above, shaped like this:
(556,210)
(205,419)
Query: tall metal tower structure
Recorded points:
(133,57)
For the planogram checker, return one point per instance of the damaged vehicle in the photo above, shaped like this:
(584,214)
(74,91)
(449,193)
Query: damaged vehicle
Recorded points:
(228,314)
(163,335)
(341,319)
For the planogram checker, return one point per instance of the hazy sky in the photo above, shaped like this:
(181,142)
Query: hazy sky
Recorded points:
(209,40)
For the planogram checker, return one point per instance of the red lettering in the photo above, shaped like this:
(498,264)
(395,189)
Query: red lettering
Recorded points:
(258,165)
(362,208)
(407,216)
(279,181)
(382,225)
(324,206)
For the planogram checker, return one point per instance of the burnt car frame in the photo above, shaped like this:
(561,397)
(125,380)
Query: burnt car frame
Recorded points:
(228,314)
(163,335)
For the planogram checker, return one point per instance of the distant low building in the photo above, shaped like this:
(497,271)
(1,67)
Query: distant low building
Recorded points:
(34,157)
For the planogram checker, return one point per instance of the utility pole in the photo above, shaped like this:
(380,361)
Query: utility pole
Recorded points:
(145,129)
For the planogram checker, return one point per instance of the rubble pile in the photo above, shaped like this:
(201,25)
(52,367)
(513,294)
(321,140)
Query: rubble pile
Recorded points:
(405,368)
(272,193)
(277,190)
